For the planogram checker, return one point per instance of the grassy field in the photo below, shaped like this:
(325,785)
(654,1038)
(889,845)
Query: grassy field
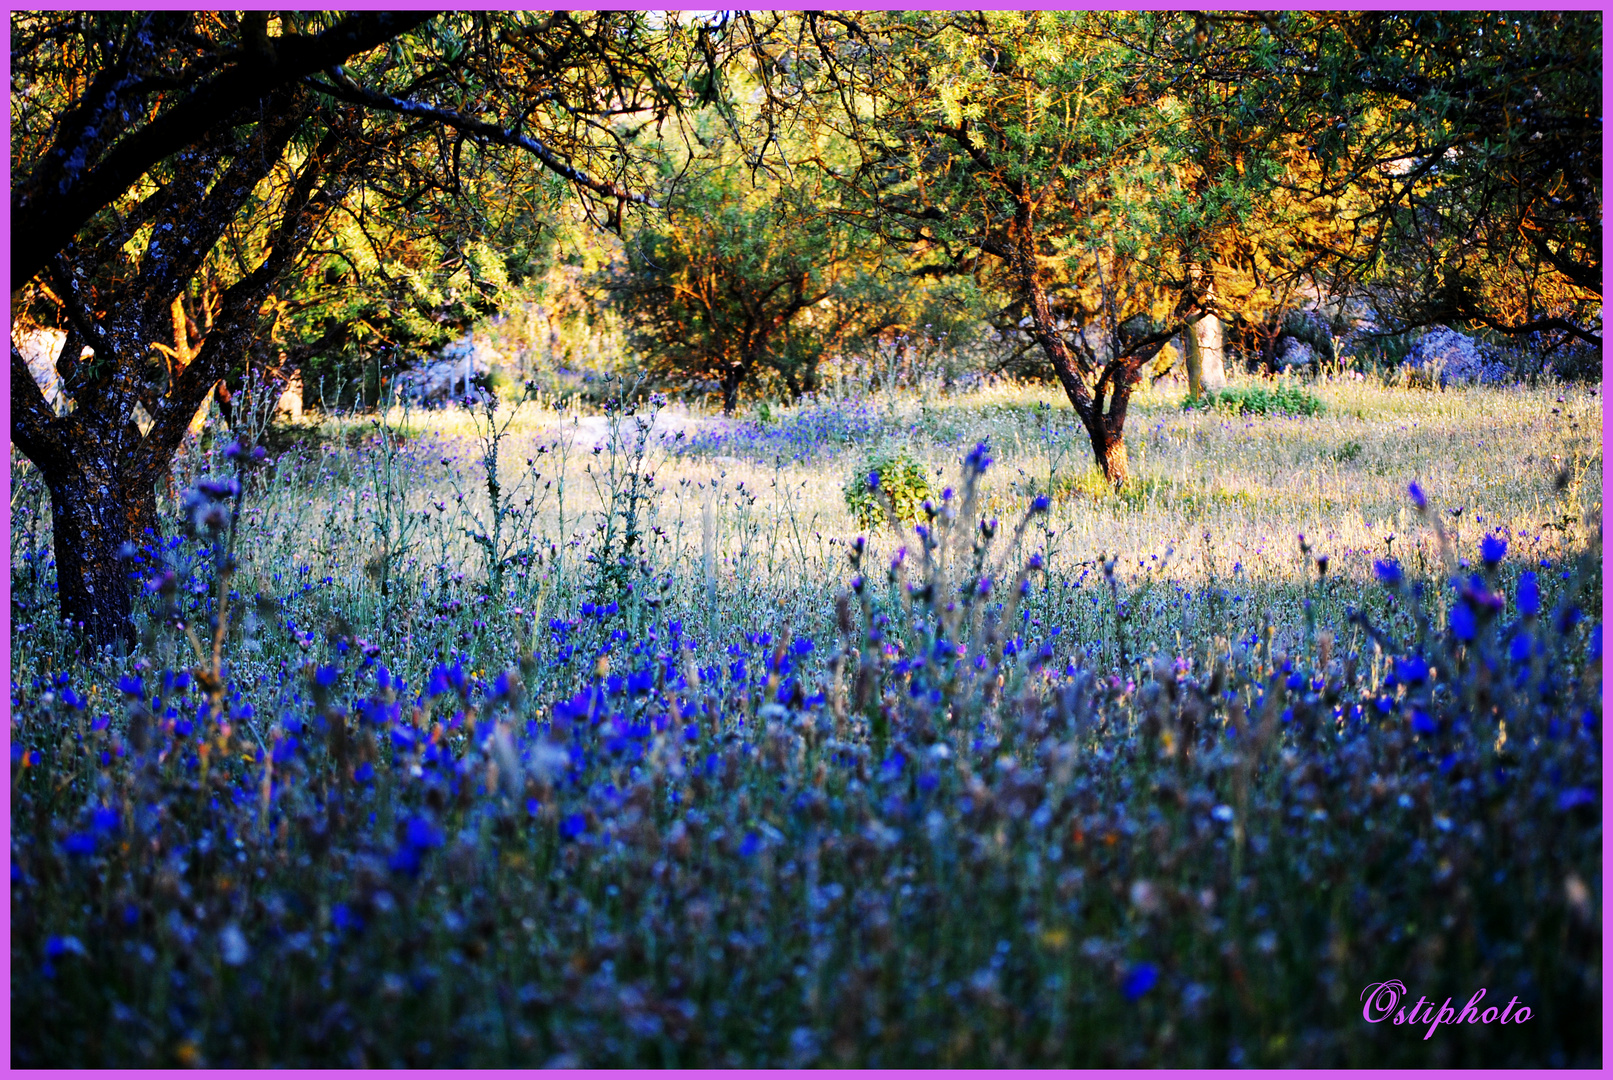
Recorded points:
(654,757)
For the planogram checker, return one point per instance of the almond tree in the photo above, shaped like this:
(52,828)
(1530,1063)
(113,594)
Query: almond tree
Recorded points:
(1038,152)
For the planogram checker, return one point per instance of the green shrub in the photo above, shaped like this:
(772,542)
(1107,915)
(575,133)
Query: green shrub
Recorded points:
(1347,453)
(1257,399)
(901,483)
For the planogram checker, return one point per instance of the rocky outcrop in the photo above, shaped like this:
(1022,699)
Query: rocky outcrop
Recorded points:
(451,375)
(1444,357)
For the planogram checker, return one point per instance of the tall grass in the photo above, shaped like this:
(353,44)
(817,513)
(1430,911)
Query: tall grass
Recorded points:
(693,774)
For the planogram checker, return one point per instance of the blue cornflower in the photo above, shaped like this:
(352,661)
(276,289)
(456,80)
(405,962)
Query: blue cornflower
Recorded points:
(1411,670)
(1463,625)
(218,489)
(1529,594)
(1418,499)
(437,683)
(1573,797)
(1492,549)
(421,834)
(82,843)
(979,459)
(1140,979)
(1388,571)
(57,946)
(406,861)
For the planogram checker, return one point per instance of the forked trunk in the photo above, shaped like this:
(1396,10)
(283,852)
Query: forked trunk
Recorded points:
(1109,450)
(1112,454)
(1106,430)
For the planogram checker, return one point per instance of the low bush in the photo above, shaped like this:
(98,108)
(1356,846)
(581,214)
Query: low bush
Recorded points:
(1283,398)
(886,484)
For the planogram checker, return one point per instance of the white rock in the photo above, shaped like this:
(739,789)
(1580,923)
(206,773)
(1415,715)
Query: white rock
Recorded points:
(451,375)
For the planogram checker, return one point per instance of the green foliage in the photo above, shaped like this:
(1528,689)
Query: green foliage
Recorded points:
(901,489)
(1104,194)
(1239,400)
(1506,231)
(746,282)
(1347,452)
(497,383)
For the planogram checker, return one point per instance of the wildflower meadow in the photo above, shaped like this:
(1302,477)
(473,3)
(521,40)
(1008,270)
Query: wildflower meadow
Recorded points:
(502,735)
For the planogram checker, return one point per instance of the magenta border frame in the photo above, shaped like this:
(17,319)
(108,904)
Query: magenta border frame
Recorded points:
(5,414)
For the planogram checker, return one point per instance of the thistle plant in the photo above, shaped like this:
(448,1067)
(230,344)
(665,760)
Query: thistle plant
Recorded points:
(622,473)
(502,528)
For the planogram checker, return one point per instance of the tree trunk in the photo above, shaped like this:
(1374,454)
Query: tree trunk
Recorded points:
(95,512)
(1106,432)
(1112,456)
(1206,367)
(1268,346)
(1109,447)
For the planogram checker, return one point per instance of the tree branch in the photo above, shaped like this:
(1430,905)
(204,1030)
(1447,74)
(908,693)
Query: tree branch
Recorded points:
(45,216)
(351,92)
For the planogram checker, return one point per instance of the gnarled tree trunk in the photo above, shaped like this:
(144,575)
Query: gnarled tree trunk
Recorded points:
(100,469)
(95,511)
